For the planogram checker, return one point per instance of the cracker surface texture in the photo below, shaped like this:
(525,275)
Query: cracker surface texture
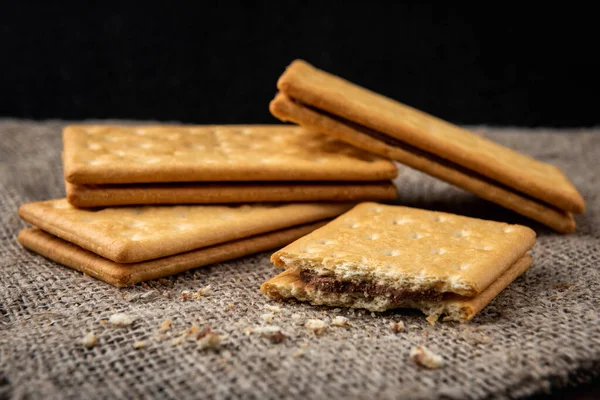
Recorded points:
(99,154)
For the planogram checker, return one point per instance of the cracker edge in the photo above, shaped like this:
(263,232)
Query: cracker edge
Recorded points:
(85,196)
(467,307)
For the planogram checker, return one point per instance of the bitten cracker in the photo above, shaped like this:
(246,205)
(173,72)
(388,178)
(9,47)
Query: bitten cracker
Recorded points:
(98,154)
(121,275)
(331,105)
(382,257)
(133,234)
(226,193)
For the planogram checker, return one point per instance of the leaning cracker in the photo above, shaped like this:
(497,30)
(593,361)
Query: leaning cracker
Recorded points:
(98,154)
(286,109)
(132,234)
(396,121)
(409,253)
(121,275)
(289,285)
(226,193)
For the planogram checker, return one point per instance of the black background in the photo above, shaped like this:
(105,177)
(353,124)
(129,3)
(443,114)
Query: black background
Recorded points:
(212,63)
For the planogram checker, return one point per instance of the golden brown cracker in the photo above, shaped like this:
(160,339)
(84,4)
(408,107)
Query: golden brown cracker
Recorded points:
(133,234)
(121,275)
(410,248)
(345,100)
(285,109)
(99,154)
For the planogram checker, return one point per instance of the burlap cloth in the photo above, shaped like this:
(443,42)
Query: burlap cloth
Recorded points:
(543,331)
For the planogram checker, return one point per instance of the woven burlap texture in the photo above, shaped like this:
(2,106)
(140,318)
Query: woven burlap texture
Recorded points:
(543,330)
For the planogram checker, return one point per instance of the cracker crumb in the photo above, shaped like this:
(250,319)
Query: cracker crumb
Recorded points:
(139,344)
(373,314)
(103,321)
(187,295)
(562,286)
(165,326)
(205,291)
(317,326)
(298,353)
(339,321)
(273,309)
(176,341)
(303,345)
(397,327)
(230,306)
(268,317)
(272,332)
(210,340)
(432,319)
(89,340)
(121,319)
(425,357)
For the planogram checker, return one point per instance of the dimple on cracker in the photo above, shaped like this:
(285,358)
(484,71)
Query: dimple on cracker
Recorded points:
(121,275)
(98,154)
(328,104)
(383,257)
(133,234)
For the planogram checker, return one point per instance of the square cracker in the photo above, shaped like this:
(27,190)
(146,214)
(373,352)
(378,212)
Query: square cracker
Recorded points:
(121,275)
(405,247)
(288,285)
(562,221)
(133,234)
(356,105)
(98,154)
(86,196)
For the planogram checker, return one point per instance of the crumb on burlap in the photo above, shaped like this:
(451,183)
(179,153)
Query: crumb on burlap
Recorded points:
(230,306)
(425,357)
(121,319)
(432,319)
(316,326)
(397,327)
(139,344)
(165,326)
(207,339)
(186,295)
(298,353)
(176,341)
(268,317)
(274,333)
(339,321)
(272,309)
(303,345)
(89,340)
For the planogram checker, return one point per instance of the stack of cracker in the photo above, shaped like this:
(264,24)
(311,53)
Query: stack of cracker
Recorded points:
(328,104)
(121,165)
(200,193)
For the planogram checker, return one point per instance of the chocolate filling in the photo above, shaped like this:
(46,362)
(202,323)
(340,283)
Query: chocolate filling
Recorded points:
(334,285)
(430,156)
